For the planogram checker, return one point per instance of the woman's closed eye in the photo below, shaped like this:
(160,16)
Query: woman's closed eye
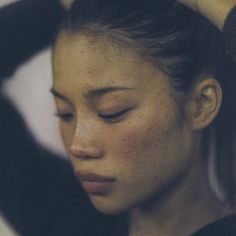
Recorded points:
(65,116)
(114,117)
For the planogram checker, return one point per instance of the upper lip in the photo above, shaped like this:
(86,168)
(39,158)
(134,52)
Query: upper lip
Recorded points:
(91,177)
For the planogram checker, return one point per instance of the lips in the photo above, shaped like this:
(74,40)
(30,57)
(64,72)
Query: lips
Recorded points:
(95,184)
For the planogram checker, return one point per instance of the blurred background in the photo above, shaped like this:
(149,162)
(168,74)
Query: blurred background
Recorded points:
(28,89)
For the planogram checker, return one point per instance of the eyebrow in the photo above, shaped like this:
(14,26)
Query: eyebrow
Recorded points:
(57,94)
(94,92)
(102,91)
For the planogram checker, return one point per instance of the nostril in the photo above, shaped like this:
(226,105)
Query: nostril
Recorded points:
(78,152)
(85,152)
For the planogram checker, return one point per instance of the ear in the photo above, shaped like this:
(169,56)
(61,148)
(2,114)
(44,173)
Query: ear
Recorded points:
(205,103)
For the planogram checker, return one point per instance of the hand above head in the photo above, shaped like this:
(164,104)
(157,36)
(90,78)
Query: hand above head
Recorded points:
(215,11)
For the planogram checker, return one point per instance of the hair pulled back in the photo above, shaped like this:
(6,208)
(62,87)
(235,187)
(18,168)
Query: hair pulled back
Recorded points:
(183,45)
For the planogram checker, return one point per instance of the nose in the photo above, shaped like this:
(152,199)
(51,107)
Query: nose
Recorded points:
(84,144)
(85,152)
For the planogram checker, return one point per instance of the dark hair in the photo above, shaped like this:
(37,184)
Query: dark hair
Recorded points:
(182,44)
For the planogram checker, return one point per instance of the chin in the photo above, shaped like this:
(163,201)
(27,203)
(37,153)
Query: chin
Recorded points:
(108,207)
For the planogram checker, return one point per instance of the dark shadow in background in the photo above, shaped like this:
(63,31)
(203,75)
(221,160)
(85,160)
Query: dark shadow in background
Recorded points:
(39,194)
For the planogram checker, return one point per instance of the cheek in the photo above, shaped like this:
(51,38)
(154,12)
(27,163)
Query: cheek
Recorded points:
(149,129)
(149,142)
(139,139)
(66,132)
(134,140)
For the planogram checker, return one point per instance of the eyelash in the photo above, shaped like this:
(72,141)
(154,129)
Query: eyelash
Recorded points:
(112,118)
(66,117)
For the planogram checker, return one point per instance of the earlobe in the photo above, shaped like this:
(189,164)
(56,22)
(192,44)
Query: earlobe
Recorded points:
(205,103)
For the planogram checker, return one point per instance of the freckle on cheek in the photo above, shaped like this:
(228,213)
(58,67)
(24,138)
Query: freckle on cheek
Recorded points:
(133,143)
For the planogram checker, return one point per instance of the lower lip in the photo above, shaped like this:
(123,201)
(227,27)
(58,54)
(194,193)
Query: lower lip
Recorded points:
(96,187)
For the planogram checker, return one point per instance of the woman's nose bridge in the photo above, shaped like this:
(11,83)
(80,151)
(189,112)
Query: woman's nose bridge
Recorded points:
(82,128)
(84,142)
(82,134)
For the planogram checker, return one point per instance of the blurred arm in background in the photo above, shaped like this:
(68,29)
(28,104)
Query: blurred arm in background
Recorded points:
(39,194)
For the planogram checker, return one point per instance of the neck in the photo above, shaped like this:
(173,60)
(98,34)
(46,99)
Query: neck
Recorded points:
(187,206)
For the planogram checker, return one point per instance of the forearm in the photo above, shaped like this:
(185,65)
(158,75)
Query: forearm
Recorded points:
(26,27)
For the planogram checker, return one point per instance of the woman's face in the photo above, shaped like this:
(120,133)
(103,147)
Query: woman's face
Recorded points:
(119,123)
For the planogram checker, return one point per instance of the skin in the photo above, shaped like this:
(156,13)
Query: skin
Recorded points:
(215,11)
(66,3)
(151,151)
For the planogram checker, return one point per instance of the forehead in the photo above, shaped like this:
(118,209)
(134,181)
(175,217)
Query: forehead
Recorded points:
(90,62)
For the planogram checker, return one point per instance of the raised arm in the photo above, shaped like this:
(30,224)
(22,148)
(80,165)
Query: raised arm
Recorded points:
(26,27)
